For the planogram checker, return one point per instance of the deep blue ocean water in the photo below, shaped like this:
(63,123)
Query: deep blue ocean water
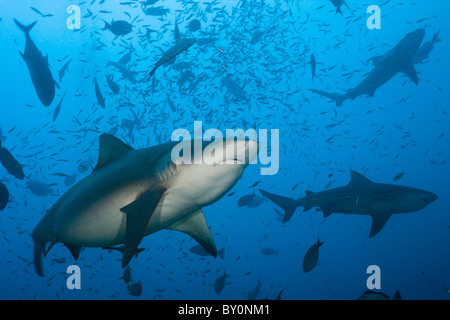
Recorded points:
(402,129)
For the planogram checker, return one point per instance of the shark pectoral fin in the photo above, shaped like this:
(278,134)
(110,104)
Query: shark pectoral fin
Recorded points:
(138,214)
(38,253)
(325,212)
(197,228)
(74,250)
(110,149)
(378,222)
(411,72)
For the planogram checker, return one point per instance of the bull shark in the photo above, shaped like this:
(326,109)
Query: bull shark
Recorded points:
(181,44)
(360,196)
(133,193)
(399,59)
(37,64)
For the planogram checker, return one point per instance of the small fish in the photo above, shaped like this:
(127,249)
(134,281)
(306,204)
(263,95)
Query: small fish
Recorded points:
(219,284)
(269,251)
(135,289)
(40,13)
(399,176)
(58,108)
(313,66)
(98,94)
(312,256)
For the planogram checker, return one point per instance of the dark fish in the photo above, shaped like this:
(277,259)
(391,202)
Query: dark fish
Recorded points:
(58,108)
(84,165)
(251,201)
(338,4)
(313,66)
(63,70)
(98,94)
(269,251)
(37,64)
(232,87)
(156,11)
(4,196)
(399,176)
(40,13)
(118,28)
(311,256)
(194,25)
(112,84)
(220,283)
(39,188)
(11,164)
(171,104)
(135,289)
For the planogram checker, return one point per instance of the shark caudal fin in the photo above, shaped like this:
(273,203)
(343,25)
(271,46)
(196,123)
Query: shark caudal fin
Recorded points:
(336,97)
(25,29)
(287,204)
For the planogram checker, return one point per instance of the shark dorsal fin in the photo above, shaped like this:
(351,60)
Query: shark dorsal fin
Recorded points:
(110,149)
(358,178)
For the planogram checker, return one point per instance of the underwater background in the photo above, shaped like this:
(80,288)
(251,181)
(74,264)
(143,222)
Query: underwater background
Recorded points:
(250,68)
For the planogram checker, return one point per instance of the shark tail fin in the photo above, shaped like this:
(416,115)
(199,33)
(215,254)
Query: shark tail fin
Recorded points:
(287,204)
(336,97)
(25,29)
(338,10)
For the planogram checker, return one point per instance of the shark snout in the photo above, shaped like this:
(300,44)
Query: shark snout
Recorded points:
(429,197)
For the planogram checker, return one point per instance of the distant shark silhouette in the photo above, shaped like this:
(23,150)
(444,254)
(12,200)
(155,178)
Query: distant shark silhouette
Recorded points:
(37,64)
(400,59)
(360,196)
(134,193)
(181,44)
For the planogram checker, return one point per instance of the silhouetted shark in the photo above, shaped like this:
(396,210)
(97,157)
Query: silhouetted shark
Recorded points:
(400,59)
(360,196)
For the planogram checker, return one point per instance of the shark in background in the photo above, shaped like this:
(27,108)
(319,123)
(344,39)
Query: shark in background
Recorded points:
(134,193)
(400,59)
(181,45)
(360,196)
(37,64)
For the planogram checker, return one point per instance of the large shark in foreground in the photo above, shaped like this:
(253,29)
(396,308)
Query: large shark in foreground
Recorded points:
(400,59)
(37,64)
(360,196)
(133,193)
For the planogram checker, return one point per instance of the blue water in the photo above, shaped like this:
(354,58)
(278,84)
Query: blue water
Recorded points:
(403,128)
